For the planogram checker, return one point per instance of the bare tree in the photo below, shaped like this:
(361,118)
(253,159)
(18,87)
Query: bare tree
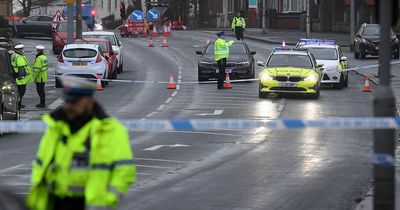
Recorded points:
(29,5)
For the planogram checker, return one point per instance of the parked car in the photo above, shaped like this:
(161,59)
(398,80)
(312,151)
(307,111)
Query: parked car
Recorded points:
(108,52)
(59,35)
(82,60)
(36,25)
(367,41)
(240,62)
(177,25)
(9,97)
(116,44)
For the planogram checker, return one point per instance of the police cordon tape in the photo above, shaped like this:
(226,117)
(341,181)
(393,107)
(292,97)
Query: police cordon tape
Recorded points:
(213,82)
(36,126)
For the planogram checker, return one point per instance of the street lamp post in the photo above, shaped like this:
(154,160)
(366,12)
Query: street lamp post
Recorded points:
(308,22)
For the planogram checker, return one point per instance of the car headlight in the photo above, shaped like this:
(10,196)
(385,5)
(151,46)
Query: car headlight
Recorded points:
(266,76)
(395,41)
(310,78)
(246,63)
(7,88)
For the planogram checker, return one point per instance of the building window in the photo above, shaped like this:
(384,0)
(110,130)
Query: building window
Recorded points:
(293,6)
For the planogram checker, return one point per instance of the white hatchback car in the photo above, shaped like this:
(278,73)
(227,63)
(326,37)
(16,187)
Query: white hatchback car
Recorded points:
(116,44)
(83,60)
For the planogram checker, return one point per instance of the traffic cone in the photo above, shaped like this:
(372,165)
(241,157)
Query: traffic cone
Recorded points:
(155,33)
(171,84)
(151,44)
(227,81)
(283,43)
(169,30)
(165,31)
(144,34)
(367,87)
(99,86)
(164,44)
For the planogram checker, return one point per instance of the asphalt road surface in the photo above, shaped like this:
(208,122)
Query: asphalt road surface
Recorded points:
(302,169)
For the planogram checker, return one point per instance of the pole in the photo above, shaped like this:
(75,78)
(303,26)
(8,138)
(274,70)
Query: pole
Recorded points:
(70,23)
(264,21)
(384,106)
(352,23)
(308,26)
(79,19)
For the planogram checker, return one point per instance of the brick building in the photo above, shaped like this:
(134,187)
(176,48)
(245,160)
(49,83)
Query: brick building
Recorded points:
(5,7)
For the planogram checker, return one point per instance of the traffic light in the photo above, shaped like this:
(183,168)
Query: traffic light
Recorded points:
(395,11)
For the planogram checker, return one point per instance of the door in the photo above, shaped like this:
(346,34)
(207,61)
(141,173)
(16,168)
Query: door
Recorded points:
(44,25)
(27,25)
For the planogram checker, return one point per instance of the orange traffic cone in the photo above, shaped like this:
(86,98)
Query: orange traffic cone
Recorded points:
(227,81)
(165,31)
(99,86)
(367,87)
(155,33)
(164,44)
(144,34)
(151,44)
(169,33)
(171,84)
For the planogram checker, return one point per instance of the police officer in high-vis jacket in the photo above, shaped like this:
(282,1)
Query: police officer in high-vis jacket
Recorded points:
(238,25)
(221,54)
(40,67)
(22,71)
(84,160)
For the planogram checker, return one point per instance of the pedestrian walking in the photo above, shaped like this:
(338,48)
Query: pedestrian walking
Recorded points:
(238,25)
(40,68)
(84,160)
(22,71)
(122,11)
(221,53)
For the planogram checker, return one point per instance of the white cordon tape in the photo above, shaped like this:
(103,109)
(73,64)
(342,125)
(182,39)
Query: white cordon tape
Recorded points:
(224,124)
(214,82)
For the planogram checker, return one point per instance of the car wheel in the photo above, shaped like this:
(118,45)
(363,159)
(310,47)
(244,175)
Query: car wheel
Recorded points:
(114,74)
(356,54)
(340,85)
(58,83)
(120,68)
(362,53)
(315,95)
(201,78)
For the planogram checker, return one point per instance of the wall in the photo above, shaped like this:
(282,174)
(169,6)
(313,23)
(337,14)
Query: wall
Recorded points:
(4,7)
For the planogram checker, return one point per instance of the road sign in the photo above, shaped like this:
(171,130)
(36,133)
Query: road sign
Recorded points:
(70,1)
(153,14)
(137,16)
(58,17)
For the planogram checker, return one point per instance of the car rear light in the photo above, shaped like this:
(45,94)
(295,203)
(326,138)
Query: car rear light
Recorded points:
(93,12)
(60,59)
(99,58)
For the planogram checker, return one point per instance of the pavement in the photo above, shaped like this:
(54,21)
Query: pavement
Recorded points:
(224,170)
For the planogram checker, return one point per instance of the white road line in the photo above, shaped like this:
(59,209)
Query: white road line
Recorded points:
(178,87)
(15,175)
(281,105)
(206,133)
(174,93)
(144,174)
(160,107)
(17,184)
(158,167)
(179,72)
(56,104)
(159,160)
(151,114)
(16,167)
(179,81)
(180,77)
(168,101)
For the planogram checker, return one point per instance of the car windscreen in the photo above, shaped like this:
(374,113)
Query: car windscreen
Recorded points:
(290,60)
(234,49)
(80,53)
(110,38)
(374,31)
(63,27)
(102,45)
(324,53)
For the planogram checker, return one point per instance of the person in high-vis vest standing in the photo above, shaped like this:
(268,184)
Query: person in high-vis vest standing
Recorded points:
(22,72)
(40,68)
(221,54)
(84,160)
(238,25)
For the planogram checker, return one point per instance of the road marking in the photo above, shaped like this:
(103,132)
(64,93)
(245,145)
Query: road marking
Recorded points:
(160,107)
(205,133)
(178,87)
(179,72)
(215,113)
(281,105)
(11,168)
(56,104)
(168,100)
(156,147)
(147,166)
(17,175)
(179,81)
(174,93)
(159,160)
(151,114)
(180,77)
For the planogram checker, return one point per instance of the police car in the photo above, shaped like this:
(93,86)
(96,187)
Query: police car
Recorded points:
(290,71)
(331,56)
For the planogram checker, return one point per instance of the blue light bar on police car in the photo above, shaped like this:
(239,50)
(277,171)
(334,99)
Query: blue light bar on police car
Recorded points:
(318,41)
